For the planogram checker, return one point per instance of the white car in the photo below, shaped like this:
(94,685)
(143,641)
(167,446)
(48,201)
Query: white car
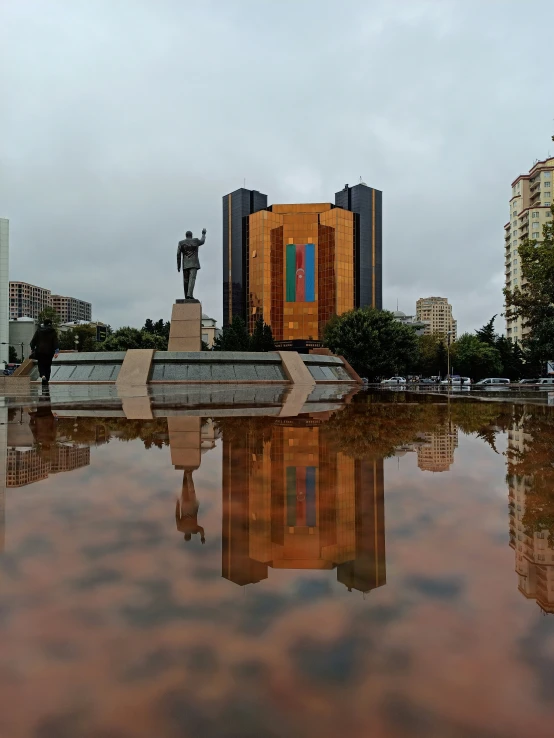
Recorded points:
(394,380)
(492,382)
(455,381)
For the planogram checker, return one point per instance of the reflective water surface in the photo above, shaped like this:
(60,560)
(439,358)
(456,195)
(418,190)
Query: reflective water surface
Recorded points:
(383,570)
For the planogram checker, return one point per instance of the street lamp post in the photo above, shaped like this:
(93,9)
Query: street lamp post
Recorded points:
(76,339)
(448,354)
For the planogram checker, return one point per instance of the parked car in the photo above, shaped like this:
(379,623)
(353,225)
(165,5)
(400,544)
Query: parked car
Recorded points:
(10,369)
(546,380)
(394,380)
(529,381)
(457,381)
(429,380)
(491,381)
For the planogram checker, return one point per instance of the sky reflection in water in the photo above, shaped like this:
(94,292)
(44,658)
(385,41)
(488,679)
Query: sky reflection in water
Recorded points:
(356,575)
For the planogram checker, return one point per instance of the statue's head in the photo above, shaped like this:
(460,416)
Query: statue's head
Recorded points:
(188,234)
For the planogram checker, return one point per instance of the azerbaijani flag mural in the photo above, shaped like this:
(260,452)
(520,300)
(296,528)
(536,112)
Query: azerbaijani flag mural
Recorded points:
(301,502)
(300,271)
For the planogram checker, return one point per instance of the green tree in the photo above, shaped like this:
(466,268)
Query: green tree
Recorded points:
(262,337)
(511,356)
(153,341)
(233,337)
(85,335)
(131,338)
(535,302)
(428,356)
(373,342)
(486,334)
(158,328)
(123,339)
(48,313)
(13,356)
(442,359)
(470,357)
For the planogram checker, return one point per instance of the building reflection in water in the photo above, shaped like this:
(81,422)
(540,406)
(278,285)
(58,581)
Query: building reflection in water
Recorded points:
(30,451)
(436,453)
(434,449)
(292,501)
(534,557)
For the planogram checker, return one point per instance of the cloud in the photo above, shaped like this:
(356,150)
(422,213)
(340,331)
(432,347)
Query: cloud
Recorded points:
(125,123)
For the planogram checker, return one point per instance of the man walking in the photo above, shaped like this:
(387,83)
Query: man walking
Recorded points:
(44,345)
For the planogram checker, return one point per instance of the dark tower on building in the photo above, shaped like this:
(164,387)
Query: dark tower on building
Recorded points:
(237,206)
(367,205)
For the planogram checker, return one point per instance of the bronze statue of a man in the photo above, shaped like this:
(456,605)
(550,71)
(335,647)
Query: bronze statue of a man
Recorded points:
(187,257)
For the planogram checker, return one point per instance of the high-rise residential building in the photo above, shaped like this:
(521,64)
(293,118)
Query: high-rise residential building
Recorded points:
(436,313)
(530,208)
(4,290)
(27,300)
(295,266)
(70,308)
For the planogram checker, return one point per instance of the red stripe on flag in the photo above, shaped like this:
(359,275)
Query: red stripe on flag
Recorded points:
(300,272)
(300,495)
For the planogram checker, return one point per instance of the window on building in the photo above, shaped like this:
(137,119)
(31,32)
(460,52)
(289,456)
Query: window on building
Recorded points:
(546,184)
(536,234)
(546,175)
(535,213)
(547,204)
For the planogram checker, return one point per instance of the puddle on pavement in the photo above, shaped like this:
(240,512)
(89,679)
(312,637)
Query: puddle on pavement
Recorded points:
(386,569)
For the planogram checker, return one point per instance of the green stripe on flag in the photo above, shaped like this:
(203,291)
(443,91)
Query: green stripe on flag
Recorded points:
(291,273)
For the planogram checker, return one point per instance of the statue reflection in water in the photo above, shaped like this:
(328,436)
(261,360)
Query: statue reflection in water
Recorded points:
(186,509)
(189,438)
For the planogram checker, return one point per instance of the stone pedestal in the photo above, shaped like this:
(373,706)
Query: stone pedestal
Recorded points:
(185,441)
(185,333)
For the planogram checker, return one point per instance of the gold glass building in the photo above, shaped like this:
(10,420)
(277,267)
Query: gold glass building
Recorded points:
(295,266)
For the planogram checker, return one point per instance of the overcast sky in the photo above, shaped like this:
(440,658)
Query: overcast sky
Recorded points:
(124,122)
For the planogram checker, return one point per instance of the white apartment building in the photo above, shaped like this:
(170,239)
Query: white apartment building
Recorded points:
(530,205)
(436,313)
